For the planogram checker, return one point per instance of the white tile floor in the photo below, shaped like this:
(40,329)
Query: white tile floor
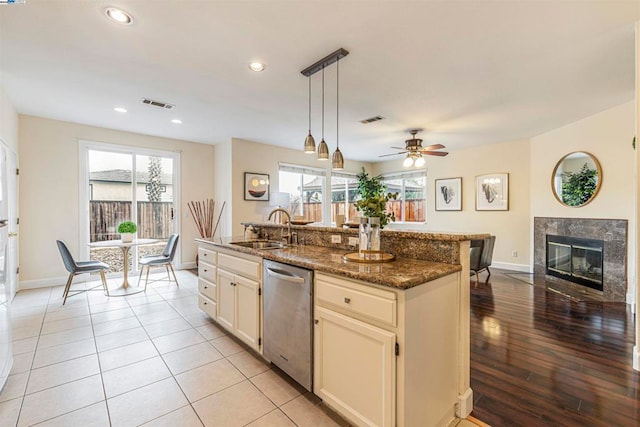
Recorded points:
(149,359)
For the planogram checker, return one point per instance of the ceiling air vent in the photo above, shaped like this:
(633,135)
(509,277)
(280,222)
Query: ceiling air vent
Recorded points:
(371,120)
(157,103)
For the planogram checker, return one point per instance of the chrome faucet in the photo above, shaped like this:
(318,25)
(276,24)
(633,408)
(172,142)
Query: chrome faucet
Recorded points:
(282,235)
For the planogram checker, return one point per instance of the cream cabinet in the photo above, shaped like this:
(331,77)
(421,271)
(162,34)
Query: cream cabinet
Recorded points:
(229,285)
(355,367)
(387,357)
(207,280)
(239,293)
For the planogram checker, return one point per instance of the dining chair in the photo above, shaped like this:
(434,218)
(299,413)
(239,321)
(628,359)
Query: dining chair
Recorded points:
(165,258)
(80,267)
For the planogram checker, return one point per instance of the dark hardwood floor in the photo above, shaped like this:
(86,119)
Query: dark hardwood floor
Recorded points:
(539,358)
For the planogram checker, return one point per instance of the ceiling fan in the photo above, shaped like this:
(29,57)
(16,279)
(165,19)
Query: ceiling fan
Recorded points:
(414,150)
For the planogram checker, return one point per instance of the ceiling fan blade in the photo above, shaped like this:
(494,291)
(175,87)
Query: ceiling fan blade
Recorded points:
(392,154)
(432,147)
(435,153)
(400,148)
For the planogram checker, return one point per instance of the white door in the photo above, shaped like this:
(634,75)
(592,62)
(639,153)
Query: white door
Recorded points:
(355,368)
(12,213)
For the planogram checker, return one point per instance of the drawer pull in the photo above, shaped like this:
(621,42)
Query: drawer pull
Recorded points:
(347,300)
(205,270)
(205,303)
(206,287)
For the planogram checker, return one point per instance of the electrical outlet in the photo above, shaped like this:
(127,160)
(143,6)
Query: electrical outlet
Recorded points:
(353,241)
(514,254)
(336,238)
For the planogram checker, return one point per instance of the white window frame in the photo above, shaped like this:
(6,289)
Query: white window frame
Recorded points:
(404,176)
(309,170)
(85,192)
(346,175)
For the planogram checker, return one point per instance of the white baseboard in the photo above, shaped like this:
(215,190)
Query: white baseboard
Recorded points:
(636,358)
(43,283)
(524,268)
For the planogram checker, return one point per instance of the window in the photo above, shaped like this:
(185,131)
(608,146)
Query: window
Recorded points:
(306,186)
(343,193)
(410,206)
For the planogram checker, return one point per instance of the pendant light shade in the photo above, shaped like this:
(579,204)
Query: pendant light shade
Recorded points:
(323,150)
(309,142)
(337,161)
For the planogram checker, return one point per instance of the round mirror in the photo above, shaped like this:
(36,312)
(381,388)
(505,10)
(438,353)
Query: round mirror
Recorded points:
(576,179)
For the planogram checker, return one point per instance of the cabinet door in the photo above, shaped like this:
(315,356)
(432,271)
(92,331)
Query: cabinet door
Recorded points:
(355,368)
(247,311)
(226,299)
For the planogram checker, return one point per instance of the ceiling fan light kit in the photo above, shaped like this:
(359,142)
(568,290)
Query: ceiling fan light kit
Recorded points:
(337,160)
(414,150)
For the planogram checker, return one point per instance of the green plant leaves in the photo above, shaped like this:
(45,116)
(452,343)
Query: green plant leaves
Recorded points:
(373,198)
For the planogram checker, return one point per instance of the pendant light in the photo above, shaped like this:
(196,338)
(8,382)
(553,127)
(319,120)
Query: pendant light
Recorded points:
(323,148)
(309,142)
(337,161)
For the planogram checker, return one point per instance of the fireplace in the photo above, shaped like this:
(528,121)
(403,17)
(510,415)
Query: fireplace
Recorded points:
(576,259)
(612,235)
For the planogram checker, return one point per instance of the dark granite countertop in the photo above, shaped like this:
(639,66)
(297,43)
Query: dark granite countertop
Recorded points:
(403,273)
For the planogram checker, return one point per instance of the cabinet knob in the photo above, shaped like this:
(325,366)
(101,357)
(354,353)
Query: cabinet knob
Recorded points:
(206,287)
(205,270)
(347,300)
(316,321)
(205,303)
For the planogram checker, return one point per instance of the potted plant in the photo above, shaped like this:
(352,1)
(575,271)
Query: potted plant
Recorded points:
(127,229)
(373,197)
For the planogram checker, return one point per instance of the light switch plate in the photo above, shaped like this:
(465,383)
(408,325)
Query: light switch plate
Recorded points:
(336,238)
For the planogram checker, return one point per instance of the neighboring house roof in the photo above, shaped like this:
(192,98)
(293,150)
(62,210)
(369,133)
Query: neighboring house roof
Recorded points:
(122,175)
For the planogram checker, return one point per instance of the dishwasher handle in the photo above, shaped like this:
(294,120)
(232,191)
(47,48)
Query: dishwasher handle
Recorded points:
(284,275)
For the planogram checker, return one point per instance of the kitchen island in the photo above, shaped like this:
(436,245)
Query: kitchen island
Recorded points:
(391,340)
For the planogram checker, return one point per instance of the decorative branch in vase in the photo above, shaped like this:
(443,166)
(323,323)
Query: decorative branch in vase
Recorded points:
(202,213)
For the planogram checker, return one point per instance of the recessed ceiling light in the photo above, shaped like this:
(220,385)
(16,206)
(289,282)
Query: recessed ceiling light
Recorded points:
(256,66)
(118,15)
(176,121)
(120,109)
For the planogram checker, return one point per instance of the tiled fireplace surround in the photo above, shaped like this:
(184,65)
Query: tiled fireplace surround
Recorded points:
(614,234)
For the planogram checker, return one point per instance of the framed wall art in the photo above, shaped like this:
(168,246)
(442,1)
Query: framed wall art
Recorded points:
(492,192)
(256,186)
(449,194)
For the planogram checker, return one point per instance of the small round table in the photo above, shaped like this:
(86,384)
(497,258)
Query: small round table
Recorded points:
(124,289)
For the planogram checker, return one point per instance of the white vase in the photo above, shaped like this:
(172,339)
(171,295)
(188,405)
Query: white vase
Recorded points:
(127,237)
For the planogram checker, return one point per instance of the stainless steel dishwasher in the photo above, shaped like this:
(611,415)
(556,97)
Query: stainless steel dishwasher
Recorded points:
(287,303)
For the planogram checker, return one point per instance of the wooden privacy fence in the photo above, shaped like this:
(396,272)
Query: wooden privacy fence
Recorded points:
(155,219)
(415,211)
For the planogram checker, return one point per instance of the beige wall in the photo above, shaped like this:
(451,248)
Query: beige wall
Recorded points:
(608,136)
(49,189)
(8,122)
(511,227)
(250,156)
(223,188)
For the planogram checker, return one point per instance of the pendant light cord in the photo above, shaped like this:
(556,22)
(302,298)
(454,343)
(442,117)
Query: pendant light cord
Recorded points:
(323,103)
(337,102)
(309,104)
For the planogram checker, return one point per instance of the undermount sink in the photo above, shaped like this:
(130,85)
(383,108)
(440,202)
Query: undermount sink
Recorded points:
(260,244)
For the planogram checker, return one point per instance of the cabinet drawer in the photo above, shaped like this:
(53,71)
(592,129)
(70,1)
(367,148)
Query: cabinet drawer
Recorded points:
(359,299)
(208,306)
(208,289)
(244,267)
(207,255)
(207,272)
